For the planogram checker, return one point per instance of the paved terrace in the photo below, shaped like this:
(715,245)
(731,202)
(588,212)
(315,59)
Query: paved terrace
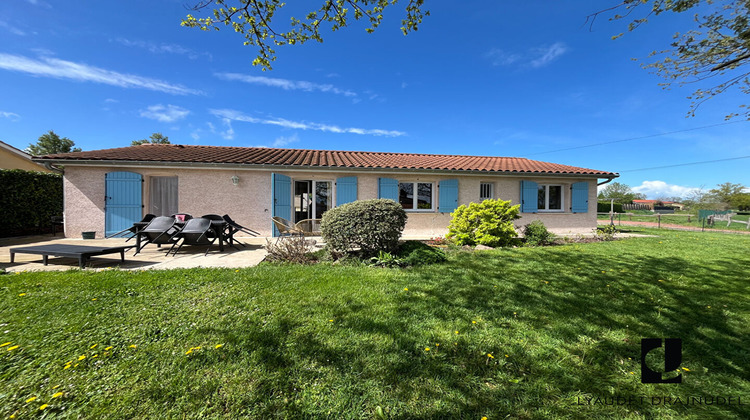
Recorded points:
(150,257)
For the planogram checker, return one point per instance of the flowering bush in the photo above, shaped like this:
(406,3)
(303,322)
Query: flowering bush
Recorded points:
(487,223)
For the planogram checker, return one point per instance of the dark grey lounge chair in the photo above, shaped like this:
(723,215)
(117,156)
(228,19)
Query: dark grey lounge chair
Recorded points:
(196,232)
(137,226)
(161,230)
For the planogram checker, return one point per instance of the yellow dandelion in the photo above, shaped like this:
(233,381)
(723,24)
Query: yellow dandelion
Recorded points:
(473,322)
(236,271)
(75,365)
(108,348)
(81,357)
(709,306)
(57,395)
(632,373)
(95,356)
(189,351)
(490,355)
(132,346)
(30,400)
(218,346)
(330,320)
(66,367)
(455,344)
(514,313)
(6,344)
(406,289)
(93,347)
(12,348)
(456,331)
(22,294)
(437,344)
(426,349)
(686,369)
(484,418)
(93,299)
(43,406)
(507,355)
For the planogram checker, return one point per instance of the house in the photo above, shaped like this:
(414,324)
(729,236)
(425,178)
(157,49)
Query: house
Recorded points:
(12,158)
(106,190)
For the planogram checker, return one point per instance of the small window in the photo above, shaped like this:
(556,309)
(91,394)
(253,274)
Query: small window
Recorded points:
(550,197)
(416,195)
(486,191)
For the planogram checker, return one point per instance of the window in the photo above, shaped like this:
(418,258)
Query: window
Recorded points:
(163,195)
(311,199)
(422,200)
(486,191)
(550,197)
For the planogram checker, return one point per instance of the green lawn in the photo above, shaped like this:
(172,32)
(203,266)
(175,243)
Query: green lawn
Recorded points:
(511,333)
(680,220)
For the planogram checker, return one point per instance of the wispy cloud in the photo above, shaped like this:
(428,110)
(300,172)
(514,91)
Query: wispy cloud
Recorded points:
(11,29)
(285,84)
(10,115)
(62,69)
(284,141)
(535,57)
(168,113)
(163,48)
(228,115)
(657,189)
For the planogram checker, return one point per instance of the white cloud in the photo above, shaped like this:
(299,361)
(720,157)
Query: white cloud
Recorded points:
(11,29)
(535,57)
(168,114)
(656,189)
(10,115)
(62,69)
(283,141)
(285,83)
(163,48)
(232,115)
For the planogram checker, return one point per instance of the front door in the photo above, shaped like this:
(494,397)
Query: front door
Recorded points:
(123,201)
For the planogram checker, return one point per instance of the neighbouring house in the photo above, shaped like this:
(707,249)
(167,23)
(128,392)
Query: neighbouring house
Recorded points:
(12,158)
(107,190)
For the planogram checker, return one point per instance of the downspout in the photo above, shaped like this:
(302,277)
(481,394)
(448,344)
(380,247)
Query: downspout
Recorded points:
(49,166)
(605,182)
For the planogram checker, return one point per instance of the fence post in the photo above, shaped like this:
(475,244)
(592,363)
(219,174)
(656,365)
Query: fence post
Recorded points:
(688,218)
(658,218)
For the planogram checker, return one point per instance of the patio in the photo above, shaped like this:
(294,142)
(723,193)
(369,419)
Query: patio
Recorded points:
(150,257)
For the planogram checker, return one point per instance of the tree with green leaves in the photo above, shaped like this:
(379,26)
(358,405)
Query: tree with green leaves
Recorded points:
(621,193)
(254,19)
(728,193)
(156,138)
(50,143)
(714,57)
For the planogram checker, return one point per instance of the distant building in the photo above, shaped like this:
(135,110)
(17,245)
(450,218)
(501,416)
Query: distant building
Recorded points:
(12,158)
(650,203)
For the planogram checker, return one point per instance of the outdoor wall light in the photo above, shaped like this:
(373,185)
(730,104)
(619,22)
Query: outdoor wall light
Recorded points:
(235,180)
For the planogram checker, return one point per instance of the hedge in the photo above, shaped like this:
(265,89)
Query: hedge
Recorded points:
(604,206)
(28,201)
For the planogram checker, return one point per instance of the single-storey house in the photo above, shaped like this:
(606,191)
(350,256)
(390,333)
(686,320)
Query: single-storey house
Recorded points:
(651,203)
(12,158)
(107,190)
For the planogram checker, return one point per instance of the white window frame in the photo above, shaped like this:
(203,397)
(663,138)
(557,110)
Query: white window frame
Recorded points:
(312,192)
(491,185)
(415,198)
(546,198)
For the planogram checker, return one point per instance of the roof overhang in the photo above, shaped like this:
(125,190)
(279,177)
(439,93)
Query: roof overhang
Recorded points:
(298,168)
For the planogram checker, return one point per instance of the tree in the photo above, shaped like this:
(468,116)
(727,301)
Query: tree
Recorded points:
(621,193)
(728,193)
(50,144)
(254,20)
(156,138)
(718,51)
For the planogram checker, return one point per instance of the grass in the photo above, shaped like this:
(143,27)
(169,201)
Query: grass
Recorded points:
(518,333)
(682,220)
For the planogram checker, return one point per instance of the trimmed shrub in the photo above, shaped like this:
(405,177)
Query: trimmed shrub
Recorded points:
(370,225)
(604,207)
(488,223)
(29,200)
(536,233)
(418,253)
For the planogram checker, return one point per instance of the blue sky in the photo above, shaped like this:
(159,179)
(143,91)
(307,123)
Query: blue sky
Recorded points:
(527,79)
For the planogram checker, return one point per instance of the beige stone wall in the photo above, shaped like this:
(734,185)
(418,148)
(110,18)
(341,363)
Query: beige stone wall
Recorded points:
(204,191)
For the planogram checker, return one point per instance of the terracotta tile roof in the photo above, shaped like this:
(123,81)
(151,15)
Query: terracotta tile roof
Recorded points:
(319,159)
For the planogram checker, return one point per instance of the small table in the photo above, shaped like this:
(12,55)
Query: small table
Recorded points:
(83,253)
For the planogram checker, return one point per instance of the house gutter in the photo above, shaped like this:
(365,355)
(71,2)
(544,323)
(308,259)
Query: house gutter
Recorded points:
(297,168)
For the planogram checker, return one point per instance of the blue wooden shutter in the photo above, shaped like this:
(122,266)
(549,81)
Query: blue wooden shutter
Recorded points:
(346,190)
(580,197)
(123,201)
(388,188)
(529,197)
(448,190)
(282,198)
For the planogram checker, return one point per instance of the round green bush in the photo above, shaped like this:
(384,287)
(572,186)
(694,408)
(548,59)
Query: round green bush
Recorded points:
(370,225)
(487,223)
(536,233)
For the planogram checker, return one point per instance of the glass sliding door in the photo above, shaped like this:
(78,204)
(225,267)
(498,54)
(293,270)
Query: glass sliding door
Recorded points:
(312,199)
